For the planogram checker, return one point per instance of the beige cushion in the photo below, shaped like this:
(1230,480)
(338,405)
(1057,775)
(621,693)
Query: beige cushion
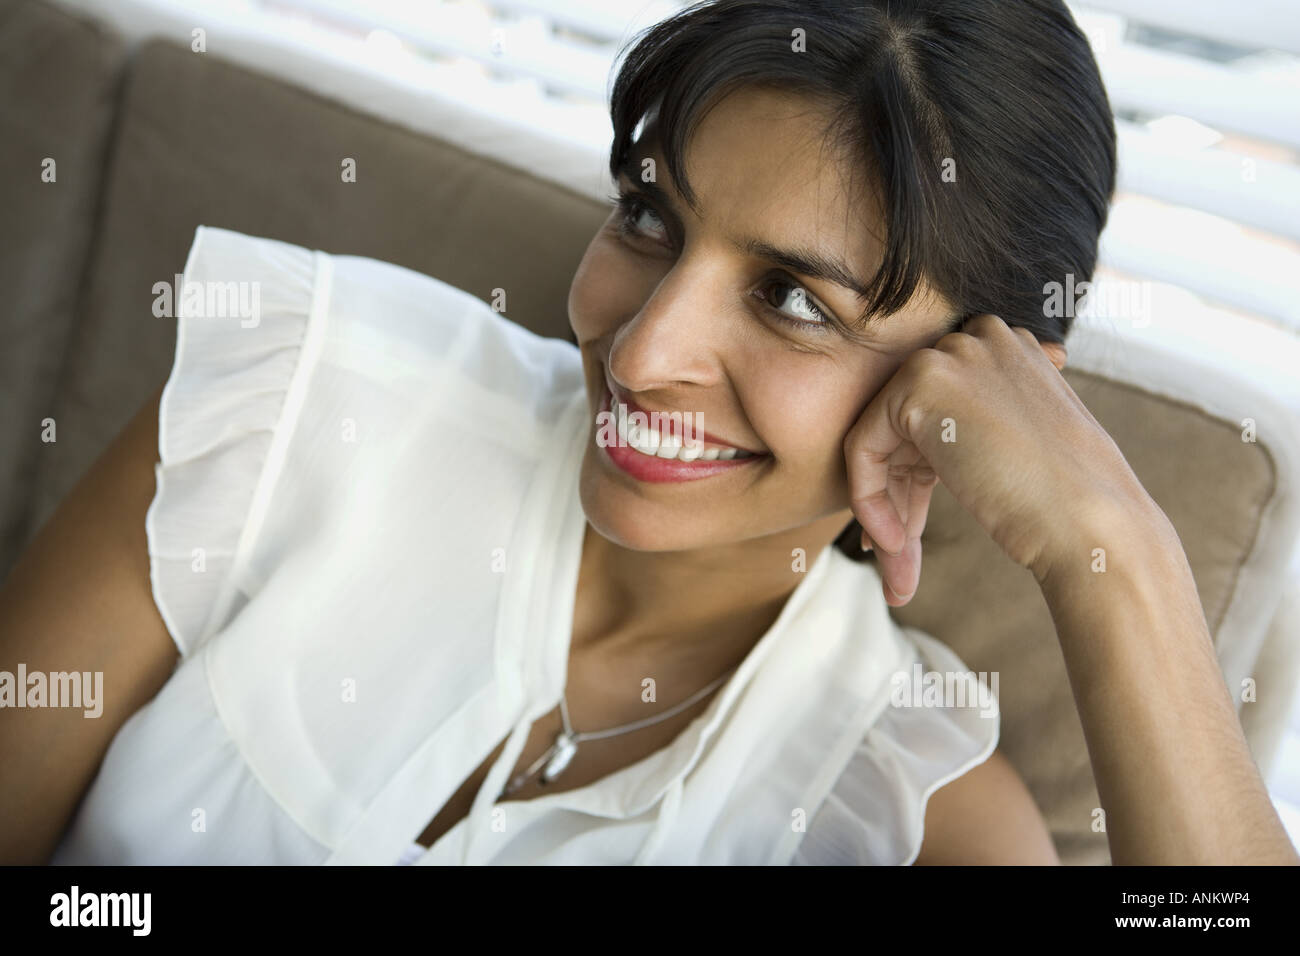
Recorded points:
(58,75)
(990,611)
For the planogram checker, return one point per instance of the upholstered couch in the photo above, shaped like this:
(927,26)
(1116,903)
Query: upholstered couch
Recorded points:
(151,139)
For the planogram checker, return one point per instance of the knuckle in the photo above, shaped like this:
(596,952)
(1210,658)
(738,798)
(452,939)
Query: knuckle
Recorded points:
(928,371)
(912,413)
(953,341)
(926,362)
(986,322)
(1027,338)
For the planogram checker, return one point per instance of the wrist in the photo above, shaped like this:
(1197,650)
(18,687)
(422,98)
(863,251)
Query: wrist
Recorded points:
(1129,528)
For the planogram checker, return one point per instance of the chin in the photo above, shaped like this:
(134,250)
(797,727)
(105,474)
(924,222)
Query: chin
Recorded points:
(622,516)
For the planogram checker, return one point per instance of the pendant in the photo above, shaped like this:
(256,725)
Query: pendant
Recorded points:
(565,747)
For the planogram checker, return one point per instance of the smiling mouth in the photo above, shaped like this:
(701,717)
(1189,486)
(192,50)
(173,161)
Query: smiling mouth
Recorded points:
(648,455)
(658,436)
(664,442)
(649,442)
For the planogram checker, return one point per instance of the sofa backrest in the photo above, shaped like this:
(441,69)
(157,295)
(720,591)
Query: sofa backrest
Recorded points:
(59,78)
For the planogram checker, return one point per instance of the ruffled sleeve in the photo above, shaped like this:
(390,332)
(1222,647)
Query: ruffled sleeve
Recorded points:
(875,813)
(246,327)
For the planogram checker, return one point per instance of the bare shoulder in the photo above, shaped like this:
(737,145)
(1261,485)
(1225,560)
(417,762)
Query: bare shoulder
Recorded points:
(80,599)
(985,817)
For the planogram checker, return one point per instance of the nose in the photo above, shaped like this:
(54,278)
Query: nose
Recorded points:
(675,338)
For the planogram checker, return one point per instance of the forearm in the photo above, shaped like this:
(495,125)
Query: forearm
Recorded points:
(1173,770)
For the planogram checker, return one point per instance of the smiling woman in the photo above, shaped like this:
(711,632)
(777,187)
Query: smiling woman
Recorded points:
(830,249)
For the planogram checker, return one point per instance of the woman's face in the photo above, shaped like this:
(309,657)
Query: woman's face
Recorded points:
(688,312)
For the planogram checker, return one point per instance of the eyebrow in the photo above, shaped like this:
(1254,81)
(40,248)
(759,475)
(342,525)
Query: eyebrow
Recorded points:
(798,259)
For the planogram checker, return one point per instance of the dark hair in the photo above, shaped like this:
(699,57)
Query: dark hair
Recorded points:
(1006,89)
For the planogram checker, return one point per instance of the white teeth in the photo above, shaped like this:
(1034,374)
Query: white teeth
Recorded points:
(670,450)
(644,440)
(649,441)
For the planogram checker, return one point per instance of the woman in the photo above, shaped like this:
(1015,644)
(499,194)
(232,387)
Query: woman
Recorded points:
(834,227)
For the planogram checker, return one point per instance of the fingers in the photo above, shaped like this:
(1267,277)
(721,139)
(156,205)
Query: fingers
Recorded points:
(890,486)
(920,494)
(901,573)
(899,485)
(868,447)
(904,575)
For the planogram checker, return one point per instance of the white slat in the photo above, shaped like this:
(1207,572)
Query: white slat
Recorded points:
(1203,253)
(1155,81)
(1256,192)
(611,21)
(1262,24)
(452,31)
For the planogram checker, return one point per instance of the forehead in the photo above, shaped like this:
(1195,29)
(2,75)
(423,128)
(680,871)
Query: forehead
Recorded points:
(768,156)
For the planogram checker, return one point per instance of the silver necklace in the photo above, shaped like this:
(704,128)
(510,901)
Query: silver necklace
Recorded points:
(561,753)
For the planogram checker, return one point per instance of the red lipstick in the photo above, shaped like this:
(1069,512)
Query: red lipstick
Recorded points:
(651,468)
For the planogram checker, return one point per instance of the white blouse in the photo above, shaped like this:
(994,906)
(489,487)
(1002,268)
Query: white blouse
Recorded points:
(365,543)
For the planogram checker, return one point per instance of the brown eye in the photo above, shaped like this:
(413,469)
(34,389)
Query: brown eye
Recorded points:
(792,295)
(631,210)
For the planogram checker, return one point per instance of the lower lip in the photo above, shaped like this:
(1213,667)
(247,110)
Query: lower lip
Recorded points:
(648,468)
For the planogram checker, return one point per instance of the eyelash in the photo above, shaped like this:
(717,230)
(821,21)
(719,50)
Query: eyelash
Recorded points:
(631,205)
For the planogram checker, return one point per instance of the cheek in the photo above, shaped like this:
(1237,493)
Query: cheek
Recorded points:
(805,414)
(608,287)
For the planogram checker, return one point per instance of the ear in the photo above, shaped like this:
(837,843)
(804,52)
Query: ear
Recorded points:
(1055,352)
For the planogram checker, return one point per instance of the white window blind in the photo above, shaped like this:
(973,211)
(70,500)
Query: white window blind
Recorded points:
(1207,103)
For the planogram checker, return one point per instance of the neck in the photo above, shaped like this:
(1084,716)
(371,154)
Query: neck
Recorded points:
(704,609)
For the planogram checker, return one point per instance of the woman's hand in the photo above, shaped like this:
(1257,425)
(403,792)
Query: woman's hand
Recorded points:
(986,412)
